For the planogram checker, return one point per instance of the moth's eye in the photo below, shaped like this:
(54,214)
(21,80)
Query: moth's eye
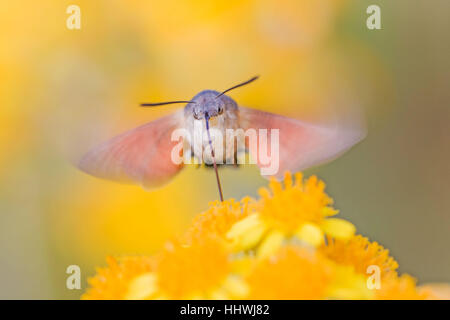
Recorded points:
(220,110)
(196,114)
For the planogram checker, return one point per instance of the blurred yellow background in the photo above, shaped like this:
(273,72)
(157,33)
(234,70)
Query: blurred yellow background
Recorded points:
(63,90)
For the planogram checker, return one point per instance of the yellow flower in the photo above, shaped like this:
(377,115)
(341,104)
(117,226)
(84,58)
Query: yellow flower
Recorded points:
(219,217)
(360,253)
(200,269)
(292,273)
(298,272)
(300,211)
(271,248)
(113,281)
(348,284)
(401,288)
(194,270)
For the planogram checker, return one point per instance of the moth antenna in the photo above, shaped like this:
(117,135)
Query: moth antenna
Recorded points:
(163,103)
(214,158)
(238,85)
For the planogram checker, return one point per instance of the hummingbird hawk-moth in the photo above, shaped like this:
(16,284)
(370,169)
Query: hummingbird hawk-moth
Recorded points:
(143,155)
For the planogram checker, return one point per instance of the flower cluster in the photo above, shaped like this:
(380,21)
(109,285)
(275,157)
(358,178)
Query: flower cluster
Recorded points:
(287,244)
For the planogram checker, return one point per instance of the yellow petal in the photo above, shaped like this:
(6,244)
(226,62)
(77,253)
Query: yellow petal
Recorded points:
(243,226)
(328,212)
(237,287)
(270,244)
(338,228)
(142,287)
(310,233)
(242,265)
(347,284)
(246,233)
(219,294)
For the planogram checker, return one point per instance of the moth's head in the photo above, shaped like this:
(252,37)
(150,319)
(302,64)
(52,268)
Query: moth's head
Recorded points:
(208,104)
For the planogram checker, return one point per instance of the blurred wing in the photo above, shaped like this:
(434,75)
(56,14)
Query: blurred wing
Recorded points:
(301,144)
(141,155)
